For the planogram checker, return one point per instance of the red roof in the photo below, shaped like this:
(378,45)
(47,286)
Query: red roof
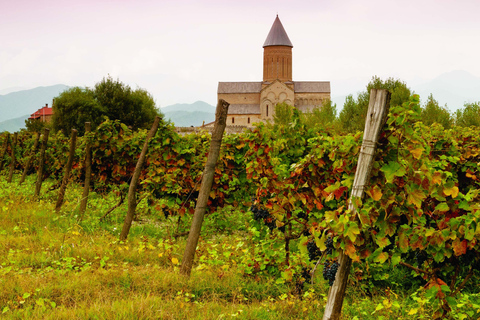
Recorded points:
(45,111)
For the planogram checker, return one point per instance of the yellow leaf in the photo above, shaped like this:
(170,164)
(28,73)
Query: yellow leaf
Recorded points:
(412,312)
(160,255)
(376,193)
(416,197)
(417,152)
(453,191)
(387,303)
(174,260)
(437,178)
(382,257)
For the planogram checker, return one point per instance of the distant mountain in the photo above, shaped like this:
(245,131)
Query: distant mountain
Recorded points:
(12,89)
(453,88)
(13,125)
(196,106)
(187,119)
(17,104)
(186,115)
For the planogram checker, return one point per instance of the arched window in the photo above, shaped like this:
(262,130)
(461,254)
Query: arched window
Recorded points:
(233,120)
(267,110)
(248,120)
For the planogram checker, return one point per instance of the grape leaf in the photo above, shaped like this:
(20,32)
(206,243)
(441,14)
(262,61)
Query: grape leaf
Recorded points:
(393,169)
(459,247)
(415,195)
(417,152)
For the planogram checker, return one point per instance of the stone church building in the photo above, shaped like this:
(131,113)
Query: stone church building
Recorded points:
(252,102)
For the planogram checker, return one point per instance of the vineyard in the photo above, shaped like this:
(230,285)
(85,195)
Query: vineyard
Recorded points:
(277,218)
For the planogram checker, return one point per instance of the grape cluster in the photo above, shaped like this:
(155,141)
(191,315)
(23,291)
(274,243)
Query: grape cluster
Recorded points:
(329,245)
(260,214)
(313,251)
(306,273)
(330,271)
(270,223)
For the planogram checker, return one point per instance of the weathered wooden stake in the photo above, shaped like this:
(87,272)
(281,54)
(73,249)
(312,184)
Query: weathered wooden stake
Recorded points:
(132,197)
(205,187)
(88,172)
(13,158)
(376,115)
(30,159)
(68,169)
(38,185)
(5,148)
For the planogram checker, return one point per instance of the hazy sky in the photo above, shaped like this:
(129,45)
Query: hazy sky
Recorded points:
(179,50)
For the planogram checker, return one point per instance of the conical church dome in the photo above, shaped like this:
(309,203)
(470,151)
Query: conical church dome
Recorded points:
(277,36)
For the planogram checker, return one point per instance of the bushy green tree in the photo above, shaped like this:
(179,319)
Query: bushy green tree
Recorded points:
(324,116)
(433,113)
(108,99)
(35,125)
(469,115)
(352,117)
(135,108)
(75,106)
(283,114)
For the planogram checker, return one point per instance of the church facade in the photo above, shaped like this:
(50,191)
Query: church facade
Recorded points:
(252,102)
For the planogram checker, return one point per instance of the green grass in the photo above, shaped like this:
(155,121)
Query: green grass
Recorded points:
(51,267)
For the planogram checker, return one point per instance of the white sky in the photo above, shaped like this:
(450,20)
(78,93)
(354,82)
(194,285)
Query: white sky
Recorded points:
(179,50)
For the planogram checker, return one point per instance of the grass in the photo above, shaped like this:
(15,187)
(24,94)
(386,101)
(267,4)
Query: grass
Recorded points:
(51,267)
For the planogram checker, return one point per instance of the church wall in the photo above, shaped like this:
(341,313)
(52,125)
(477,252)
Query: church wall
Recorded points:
(273,94)
(240,98)
(242,119)
(311,99)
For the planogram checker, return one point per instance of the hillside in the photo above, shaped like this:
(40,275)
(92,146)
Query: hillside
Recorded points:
(17,104)
(186,115)
(190,107)
(13,125)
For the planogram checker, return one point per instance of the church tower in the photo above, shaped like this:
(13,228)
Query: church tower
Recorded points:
(252,102)
(277,54)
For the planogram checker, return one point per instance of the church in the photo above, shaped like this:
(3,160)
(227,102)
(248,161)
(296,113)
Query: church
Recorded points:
(252,102)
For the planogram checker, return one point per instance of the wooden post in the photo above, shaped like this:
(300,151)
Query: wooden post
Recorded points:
(38,185)
(30,159)
(132,199)
(68,169)
(13,158)
(377,112)
(88,171)
(205,187)
(5,148)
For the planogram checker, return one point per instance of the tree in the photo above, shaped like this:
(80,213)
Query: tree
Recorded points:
(108,99)
(35,125)
(469,115)
(352,116)
(74,107)
(433,113)
(324,116)
(283,114)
